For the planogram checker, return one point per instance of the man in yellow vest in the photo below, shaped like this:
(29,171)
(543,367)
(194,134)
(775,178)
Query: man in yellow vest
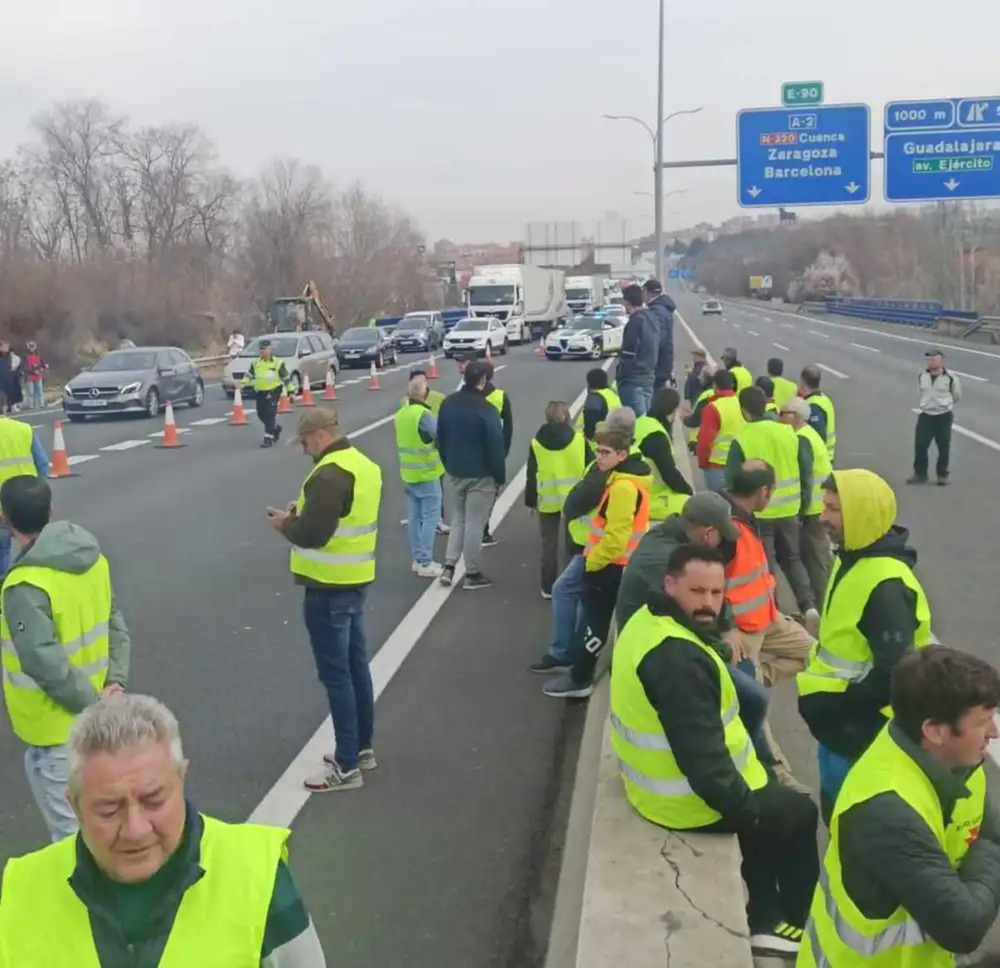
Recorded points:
(64,641)
(434,399)
(686,759)
(421,470)
(721,420)
(766,385)
(267,377)
(875,612)
(333,530)
(501,401)
(654,438)
(911,877)
(763,437)
(598,403)
(730,359)
(784,389)
(21,452)
(147,872)
(823,417)
(815,544)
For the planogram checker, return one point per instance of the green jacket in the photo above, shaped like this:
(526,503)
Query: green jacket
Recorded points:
(66,547)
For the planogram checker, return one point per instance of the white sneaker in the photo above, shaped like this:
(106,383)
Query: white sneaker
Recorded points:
(812,622)
(432,569)
(405,522)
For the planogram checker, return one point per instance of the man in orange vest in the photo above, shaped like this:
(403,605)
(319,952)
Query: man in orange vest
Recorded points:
(618,524)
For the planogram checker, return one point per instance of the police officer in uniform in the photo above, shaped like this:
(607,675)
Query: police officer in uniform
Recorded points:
(267,376)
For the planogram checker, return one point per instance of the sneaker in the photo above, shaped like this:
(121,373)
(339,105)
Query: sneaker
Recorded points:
(277,432)
(781,941)
(942,480)
(546,595)
(405,522)
(267,442)
(489,539)
(447,575)
(366,760)
(443,528)
(477,580)
(917,479)
(432,569)
(333,780)
(548,666)
(565,688)
(811,622)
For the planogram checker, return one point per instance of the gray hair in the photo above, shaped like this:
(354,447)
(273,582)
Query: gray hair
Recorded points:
(416,389)
(122,721)
(621,418)
(799,407)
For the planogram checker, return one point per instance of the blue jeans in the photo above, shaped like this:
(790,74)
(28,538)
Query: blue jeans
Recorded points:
(833,770)
(47,768)
(4,549)
(753,699)
(570,625)
(715,478)
(423,509)
(36,393)
(335,622)
(636,396)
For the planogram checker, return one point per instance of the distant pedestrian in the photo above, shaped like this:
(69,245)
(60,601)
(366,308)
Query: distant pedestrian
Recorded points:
(730,358)
(823,416)
(940,390)
(640,350)
(598,403)
(235,343)
(34,375)
(661,307)
(267,376)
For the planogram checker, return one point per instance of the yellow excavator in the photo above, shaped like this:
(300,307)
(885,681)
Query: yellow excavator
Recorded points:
(293,314)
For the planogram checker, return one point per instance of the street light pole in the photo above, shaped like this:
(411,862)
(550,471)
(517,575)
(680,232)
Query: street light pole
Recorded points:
(658,163)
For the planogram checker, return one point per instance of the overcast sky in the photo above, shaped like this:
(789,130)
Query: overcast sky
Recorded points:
(480,117)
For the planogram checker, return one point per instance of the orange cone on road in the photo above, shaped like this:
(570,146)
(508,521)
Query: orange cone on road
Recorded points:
(307,396)
(238,418)
(432,368)
(373,383)
(540,348)
(170,438)
(59,467)
(330,390)
(284,402)
(489,351)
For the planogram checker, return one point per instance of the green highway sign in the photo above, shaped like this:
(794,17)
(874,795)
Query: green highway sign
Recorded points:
(795,93)
(937,166)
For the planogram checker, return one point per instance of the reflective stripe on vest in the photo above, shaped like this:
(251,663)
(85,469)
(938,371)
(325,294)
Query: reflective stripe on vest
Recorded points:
(557,472)
(749,583)
(43,922)
(845,655)
(776,443)
(826,405)
(81,609)
(640,517)
(837,933)
(822,468)
(731,422)
(418,462)
(496,398)
(348,558)
(266,375)
(663,501)
(15,450)
(654,783)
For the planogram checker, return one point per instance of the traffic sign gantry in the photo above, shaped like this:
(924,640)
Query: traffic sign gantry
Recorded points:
(803,156)
(942,150)
(798,93)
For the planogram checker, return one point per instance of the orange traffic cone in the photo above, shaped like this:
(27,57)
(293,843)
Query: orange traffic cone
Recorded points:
(170,439)
(239,416)
(307,396)
(432,368)
(540,348)
(59,466)
(489,352)
(284,402)
(330,390)
(373,383)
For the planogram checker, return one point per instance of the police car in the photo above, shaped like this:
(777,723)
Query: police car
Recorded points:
(587,337)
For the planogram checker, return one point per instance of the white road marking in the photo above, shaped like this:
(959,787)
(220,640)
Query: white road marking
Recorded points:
(125,445)
(864,346)
(81,458)
(830,369)
(815,332)
(971,434)
(208,421)
(282,803)
(737,326)
(970,376)
(753,332)
(769,319)
(788,326)
(180,430)
(781,346)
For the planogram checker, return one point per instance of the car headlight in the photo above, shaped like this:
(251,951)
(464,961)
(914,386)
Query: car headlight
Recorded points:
(67,391)
(371,351)
(131,388)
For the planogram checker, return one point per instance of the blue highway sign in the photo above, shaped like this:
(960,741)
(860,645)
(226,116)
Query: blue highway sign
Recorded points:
(680,274)
(803,156)
(942,150)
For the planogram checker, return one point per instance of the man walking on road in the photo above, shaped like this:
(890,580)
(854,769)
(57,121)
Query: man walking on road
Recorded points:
(662,307)
(21,453)
(640,350)
(939,392)
(64,641)
(149,880)
(470,442)
(333,530)
(267,376)
(822,416)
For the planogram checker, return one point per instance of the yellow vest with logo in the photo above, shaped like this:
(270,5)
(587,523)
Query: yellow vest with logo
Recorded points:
(15,450)
(558,472)
(826,405)
(663,502)
(654,783)
(348,558)
(742,376)
(496,397)
(266,375)
(822,467)
(777,444)
(842,655)
(608,395)
(220,921)
(692,432)
(837,933)
(784,390)
(81,610)
(418,462)
(731,422)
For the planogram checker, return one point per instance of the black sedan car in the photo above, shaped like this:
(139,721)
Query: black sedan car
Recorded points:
(363,345)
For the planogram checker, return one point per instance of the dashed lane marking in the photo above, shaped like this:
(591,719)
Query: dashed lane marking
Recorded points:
(180,430)
(831,370)
(815,332)
(970,376)
(866,347)
(788,325)
(753,332)
(781,346)
(972,435)
(125,445)
(208,421)
(81,459)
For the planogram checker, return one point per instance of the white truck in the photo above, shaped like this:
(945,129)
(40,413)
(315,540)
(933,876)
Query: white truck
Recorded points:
(528,300)
(584,293)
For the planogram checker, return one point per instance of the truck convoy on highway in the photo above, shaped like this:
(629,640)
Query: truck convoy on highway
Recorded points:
(529,300)
(584,293)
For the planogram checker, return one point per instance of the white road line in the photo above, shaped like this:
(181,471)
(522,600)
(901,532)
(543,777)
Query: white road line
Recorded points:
(753,332)
(208,421)
(781,346)
(972,435)
(180,430)
(788,326)
(737,326)
(864,346)
(970,376)
(282,803)
(769,319)
(815,332)
(125,445)
(81,458)
(830,369)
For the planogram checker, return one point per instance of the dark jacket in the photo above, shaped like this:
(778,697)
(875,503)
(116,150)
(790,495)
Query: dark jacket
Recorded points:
(890,859)
(506,417)
(640,348)
(662,310)
(847,722)
(817,416)
(470,437)
(736,458)
(659,452)
(595,409)
(552,436)
(693,385)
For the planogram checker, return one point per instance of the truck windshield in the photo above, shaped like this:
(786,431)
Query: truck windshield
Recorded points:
(491,296)
(578,294)
(289,315)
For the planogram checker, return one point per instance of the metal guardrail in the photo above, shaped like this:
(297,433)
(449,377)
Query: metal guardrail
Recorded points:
(912,312)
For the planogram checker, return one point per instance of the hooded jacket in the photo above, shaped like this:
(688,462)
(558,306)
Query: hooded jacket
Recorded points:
(640,349)
(661,308)
(619,511)
(65,547)
(847,722)
(552,436)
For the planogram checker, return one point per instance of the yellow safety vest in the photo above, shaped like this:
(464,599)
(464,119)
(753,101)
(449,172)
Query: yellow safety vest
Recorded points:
(418,462)
(663,502)
(348,558)
(826,405)
(579,528)
(81,610)
(777,444)
(654,783)
(692,432)
(784,390)
(265,376)
(15,450)
(822,467)
(609,396)
(558,472)
(434,400)
(771,407)
(220,921)
(742,376)
(731,422)
(837,933)
(496,397)
(843,655)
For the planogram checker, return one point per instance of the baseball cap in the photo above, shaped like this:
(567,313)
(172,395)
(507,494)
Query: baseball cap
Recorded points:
(933,351)
(318,419)
(652,285)
(711,510)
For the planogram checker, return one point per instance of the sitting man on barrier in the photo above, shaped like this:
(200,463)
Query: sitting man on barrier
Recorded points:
(686,759)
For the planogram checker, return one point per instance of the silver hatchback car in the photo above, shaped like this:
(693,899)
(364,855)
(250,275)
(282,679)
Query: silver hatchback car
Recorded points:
(306,356)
